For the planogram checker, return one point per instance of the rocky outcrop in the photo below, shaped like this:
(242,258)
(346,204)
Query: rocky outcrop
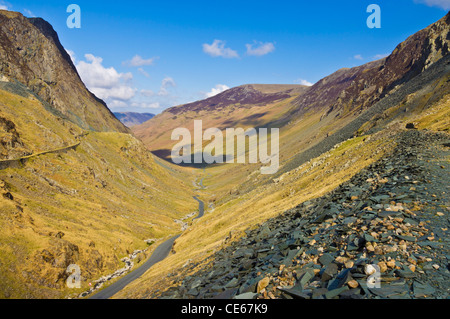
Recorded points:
(31,53)
(10,142)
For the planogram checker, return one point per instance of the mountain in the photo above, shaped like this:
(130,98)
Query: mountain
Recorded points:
(246,106)
(76,187)
(131,119)
(362,180)
(31,53)
(315,112)
(363,155)
(242,95)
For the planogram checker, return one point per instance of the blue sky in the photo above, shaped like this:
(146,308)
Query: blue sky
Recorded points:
(145,56)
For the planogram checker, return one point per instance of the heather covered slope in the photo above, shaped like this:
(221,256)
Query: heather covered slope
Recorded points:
(351,122)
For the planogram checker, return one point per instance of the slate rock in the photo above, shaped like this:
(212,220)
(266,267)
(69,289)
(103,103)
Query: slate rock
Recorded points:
(335,292)
(407,238)
(405,273)
(297,292)
(326,259)
(319,292)
(227,294)
(422,289)
(390,291)
(307,276)
(329,272)
(246,296)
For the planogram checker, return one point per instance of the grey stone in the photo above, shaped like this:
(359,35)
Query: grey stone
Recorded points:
(307,276)
(244,252)
(233,283)
(193,292)
(335,292)
(354,293)
(196,283)
(227,294)
(407,238)
(326,259)
(405,273)
(341,279)
(297,292)
(319,292)
(422,290)
(329,272)
(246,295)
(431,244)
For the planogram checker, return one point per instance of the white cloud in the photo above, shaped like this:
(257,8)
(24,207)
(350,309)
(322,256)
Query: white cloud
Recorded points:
(121,92)
(147,93)
(219,88)
(115,104)
(358,57)
(166,83)
(138,61)
(443,4)
(106,83)
(145,105)
(303,82)
(218,49)
(260,48)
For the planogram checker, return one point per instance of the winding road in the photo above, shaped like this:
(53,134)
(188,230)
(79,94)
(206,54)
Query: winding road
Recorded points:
(160,253)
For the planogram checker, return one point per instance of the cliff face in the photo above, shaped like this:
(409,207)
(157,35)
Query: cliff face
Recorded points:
(31,53)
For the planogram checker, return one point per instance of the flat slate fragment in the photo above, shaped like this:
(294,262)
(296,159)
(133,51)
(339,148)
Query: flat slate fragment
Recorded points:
(390,291)
(422,289)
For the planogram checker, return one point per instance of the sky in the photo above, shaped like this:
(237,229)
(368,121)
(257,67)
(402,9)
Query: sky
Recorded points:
(146,56)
